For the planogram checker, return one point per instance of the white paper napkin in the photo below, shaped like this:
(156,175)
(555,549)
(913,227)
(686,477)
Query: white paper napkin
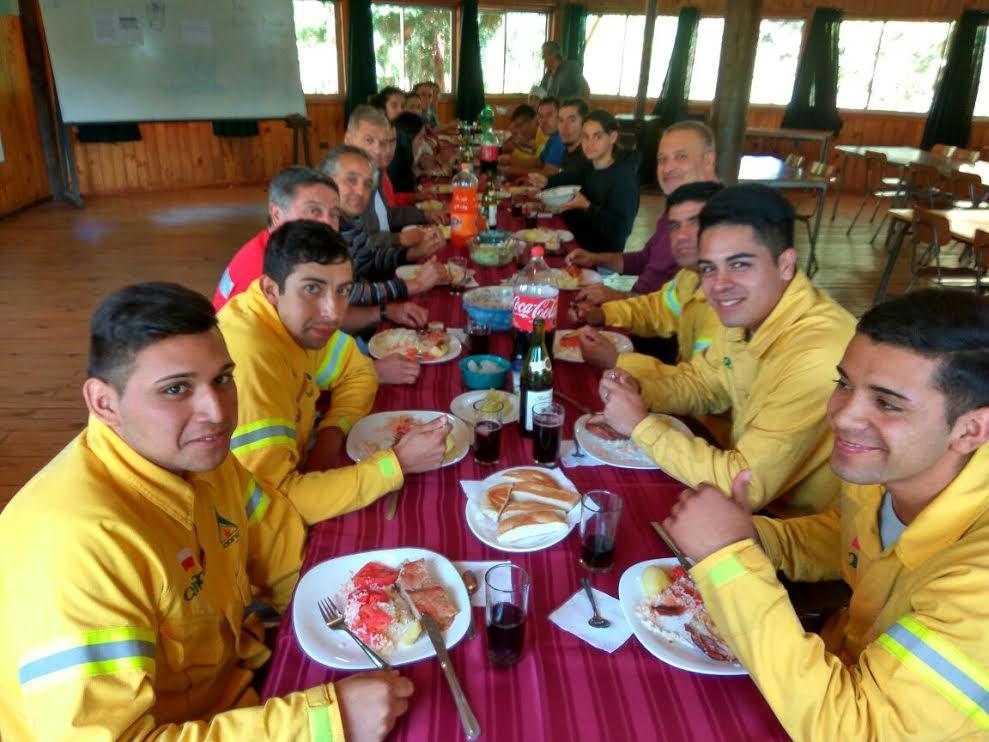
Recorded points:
(567,458)
(458,332)
(477,599)
(572,616)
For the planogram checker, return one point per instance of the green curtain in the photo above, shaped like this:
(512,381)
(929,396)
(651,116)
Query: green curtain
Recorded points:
(813,104)
(362,78)
(671,106)
(470,79)
(574,33)
(950,118)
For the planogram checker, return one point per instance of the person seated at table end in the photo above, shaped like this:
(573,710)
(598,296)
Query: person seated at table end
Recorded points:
(283,333)
(771,363)
(521,143)
(686,154)
(601,213)
(908,657)
(112,626)
(678,310)
(549,142)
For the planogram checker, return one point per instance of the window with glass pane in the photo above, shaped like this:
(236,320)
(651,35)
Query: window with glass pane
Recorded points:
(890,65)
(662,50)
(707,56)
(776,61)
(511,45)
(411,44)
(316,40)
(607,36)
(982,99)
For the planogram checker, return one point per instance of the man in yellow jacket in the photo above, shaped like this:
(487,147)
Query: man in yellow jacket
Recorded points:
(283,333)
(677,309)
(908,658)
(771,364)
(130,559)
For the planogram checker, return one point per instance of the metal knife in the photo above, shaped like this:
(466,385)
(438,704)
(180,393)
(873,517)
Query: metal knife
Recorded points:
(578,405)
(681,557)
(472,729)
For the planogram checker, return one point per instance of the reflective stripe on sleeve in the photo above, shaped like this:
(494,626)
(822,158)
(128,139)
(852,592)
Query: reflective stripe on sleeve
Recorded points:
(724,572)
(226,286)
(256,502)
(320,724)
(701,344)
(963,683)
(262,433)
(331,368)
(98,652)
(670,298)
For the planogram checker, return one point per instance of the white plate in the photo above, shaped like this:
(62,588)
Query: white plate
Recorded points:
(335,648)
(684,656)
(486,529)
(373,431)
(410,272)
(623,454)
(379,345)
(463,406)
(621,342)
(587,278)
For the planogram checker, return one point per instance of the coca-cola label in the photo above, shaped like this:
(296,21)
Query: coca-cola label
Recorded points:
(489,152)
(527,309)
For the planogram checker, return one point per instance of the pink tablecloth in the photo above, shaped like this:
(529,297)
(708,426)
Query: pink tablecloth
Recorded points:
(563,689)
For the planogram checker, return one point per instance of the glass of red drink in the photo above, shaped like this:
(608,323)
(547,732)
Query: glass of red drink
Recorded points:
(600,511)
(487,431)
(547,423)
(459,273)
(506,588)
(478,337)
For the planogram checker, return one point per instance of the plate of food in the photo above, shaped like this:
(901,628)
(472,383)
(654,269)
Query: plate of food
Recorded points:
(574,277)
(383,430)
(365,588)
(523,509)
(564,235)
(667,615)
(449,273)
(607,445)
(566,344)
(463,405)
(426,346)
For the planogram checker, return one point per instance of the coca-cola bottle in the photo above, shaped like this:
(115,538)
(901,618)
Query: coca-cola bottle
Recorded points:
(535,297)
(489,143)
(537,377)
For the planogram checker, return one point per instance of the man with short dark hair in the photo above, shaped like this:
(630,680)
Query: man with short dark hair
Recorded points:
(131,558)
(428,91)
(771,363)
(521,145)
(284,334)
(573,111)
(908,657)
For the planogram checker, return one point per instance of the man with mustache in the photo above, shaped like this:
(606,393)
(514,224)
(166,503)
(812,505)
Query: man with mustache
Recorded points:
(908,657)
(283,333)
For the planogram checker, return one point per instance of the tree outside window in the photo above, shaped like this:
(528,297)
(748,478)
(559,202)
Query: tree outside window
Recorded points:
(510,50)
(316,40)
(411,44)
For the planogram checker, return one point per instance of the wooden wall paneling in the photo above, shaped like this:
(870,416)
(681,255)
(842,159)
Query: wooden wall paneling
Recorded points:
(23,176)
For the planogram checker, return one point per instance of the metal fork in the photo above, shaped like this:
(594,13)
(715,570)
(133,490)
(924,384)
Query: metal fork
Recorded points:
(334,620)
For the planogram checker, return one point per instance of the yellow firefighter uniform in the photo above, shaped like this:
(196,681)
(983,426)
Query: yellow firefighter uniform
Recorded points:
(122,602)
(909,658)
(678,308)
(776,385)
(278,385)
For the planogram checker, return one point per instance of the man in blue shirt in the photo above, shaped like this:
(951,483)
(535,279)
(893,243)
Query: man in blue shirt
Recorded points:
(548,115)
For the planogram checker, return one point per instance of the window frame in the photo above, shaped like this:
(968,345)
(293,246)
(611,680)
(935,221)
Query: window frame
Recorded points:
(505,9)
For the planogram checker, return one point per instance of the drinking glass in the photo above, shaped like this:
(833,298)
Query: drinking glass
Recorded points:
(488,414)
(460,277)
(600,511)
(478,336)
(547,423)
(506,588)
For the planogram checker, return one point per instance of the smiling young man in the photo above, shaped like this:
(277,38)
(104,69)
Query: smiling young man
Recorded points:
(283,333)
(131,557)
(908,658)
(771,363)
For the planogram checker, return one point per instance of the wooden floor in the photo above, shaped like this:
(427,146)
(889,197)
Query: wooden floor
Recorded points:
(59,261)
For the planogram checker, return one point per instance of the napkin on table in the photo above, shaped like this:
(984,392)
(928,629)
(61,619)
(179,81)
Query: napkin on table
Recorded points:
(567,458)
(572,616)
(477,599)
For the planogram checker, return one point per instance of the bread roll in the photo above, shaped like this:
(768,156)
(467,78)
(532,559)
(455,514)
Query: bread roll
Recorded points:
(531,476)
(553,496)
(526,526)
(517,507)
(495,500)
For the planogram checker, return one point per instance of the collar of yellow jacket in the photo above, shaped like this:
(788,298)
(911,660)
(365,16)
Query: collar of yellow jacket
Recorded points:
(688,283)
(796,301)
(945,519)
(171,493)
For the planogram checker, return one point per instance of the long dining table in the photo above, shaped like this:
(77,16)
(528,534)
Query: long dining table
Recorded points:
(563,688)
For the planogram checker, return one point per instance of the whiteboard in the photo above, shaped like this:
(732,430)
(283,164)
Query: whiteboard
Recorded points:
(173,60)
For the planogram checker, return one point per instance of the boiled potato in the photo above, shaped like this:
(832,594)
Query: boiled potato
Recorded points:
(411,634)
(654,581)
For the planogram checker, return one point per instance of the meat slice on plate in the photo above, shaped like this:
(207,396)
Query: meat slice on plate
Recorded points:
(415,576)
(434,601)
(597,426)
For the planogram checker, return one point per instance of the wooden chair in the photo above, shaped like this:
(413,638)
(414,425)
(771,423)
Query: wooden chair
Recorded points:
(878,185)
(966,155)
(805,208)
(946,151)
(924,184)
(966,191)
(930,233)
